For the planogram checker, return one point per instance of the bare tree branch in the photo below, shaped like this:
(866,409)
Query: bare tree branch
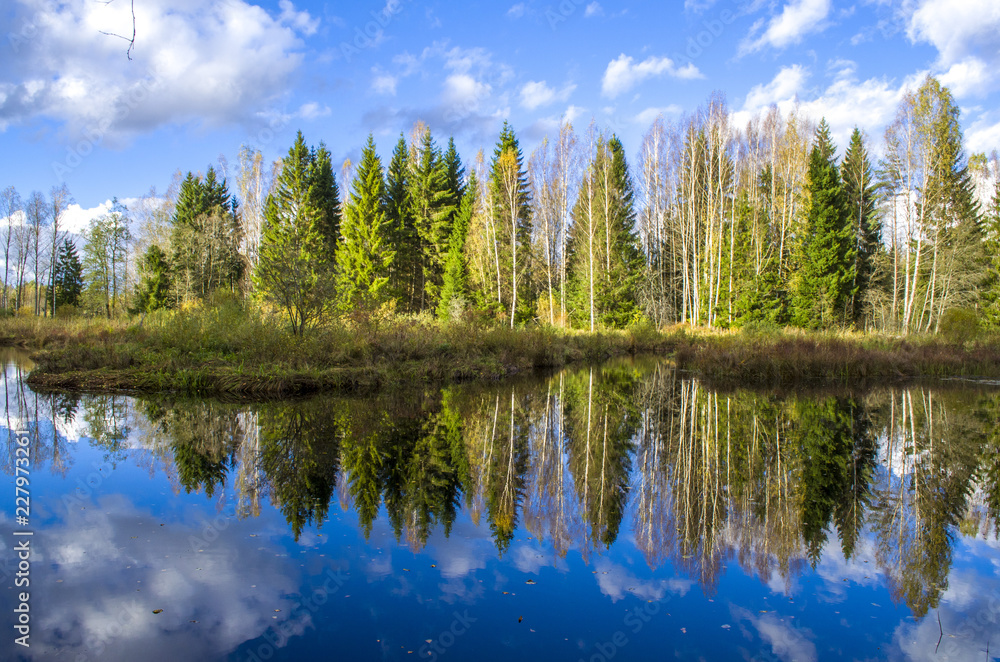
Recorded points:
(131,42)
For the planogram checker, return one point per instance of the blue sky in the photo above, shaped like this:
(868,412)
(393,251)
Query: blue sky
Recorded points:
(207,76)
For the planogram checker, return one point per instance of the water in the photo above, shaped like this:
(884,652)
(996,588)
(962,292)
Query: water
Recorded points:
(622,512)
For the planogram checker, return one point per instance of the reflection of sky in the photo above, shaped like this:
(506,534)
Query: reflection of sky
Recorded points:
(234,589)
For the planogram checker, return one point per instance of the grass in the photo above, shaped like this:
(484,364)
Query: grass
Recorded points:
(228,350)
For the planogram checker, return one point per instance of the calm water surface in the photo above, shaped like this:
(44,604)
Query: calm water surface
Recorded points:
(622,512)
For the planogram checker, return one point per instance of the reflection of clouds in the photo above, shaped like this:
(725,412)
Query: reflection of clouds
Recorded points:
(530,560)
(468,548)
(833,568)
(969,611)
(615,581)
(112,565)
(787,642)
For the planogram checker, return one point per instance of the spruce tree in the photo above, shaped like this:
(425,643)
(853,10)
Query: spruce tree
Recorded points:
(325,196)
(861,193)
(154,290)
(619,299)
(365,254)
(454,291)
(826,273)
(403,276)
(990,298)
(295,271)
(433,206)
(205,237)
(68,277)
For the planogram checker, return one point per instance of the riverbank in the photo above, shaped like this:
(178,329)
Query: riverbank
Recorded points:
(227,351)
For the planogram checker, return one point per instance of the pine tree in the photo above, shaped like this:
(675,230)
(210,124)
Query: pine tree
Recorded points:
(861,193)
(365,255)
(154,290)
(826,260)
(68,277)
(455,288)
(295,271)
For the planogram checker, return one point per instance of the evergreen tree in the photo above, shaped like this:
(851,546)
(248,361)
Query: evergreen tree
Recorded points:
(455,288)
(826,261)
(154,291)
(860,192)
(365,254)
(295,271)
(405,273)
(325,196)
(619,299)
(603,256)
(68,277)
(433,206)
(990,298)
(205,237)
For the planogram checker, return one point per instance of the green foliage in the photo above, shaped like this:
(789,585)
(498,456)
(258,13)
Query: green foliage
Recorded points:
(861,198)
(604,261)
(68,277)
(433,201)
(960,325)
(295,271)
(204,238)
(155,290)
(405,275)
(365,255)
(826,278)
(104,262)
(990,297)
(454,291)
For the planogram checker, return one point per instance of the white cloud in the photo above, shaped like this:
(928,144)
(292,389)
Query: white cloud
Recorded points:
(785,86)
(983,135)
(956,29)
(623,73)
(648,116)
(840,102)
(535,94)
(797,19)
(313,110)
(593,9)
(214,63)
(969,77)
(384,83)
(517,11)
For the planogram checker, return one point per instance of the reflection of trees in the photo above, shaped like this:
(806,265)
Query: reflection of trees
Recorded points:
(300,455)
(703,477)
(930,458)
(600,421)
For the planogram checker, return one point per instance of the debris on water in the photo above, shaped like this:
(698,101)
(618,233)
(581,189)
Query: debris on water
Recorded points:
(157,611)
(530,581)
(520,618)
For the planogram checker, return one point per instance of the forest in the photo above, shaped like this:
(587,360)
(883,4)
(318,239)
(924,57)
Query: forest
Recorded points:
(711,225)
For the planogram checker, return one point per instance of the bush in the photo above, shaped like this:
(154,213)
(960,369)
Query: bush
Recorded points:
(960,325)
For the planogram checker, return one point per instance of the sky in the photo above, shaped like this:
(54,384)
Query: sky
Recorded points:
(207,76)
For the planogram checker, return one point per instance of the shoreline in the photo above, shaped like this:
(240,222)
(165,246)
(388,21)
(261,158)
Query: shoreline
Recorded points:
(192,355)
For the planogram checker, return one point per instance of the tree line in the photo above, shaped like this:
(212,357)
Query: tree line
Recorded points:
(713,225)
